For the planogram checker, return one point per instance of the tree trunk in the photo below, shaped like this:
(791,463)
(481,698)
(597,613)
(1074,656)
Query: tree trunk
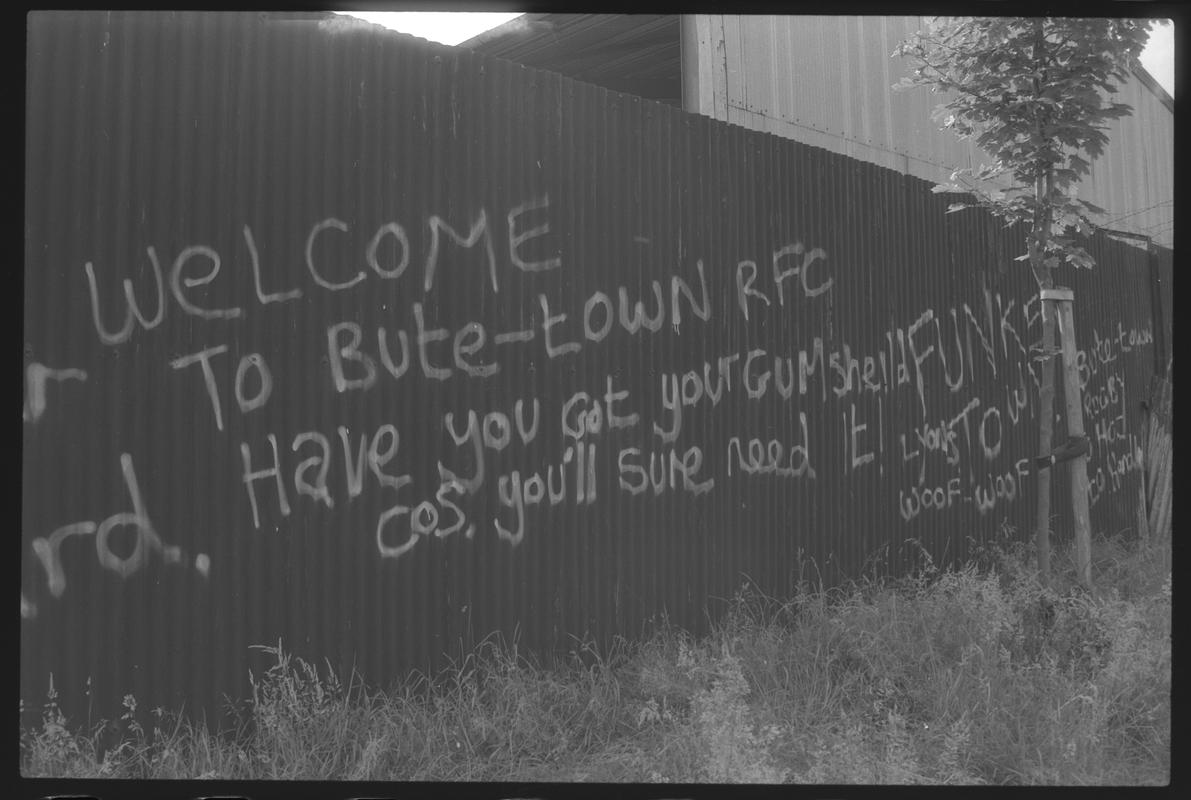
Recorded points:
(1039,236)
(1043,274)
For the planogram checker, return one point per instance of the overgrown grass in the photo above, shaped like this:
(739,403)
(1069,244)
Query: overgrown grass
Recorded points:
(978,676)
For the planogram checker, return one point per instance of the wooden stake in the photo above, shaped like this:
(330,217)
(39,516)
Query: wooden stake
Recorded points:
(1079,465)
(1046,408)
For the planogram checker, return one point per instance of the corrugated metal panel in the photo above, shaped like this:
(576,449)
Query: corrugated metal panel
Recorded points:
(1134,179)
(831,76)
(541,358)
(825,81)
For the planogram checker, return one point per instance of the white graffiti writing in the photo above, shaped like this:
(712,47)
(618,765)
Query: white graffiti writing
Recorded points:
(48,549)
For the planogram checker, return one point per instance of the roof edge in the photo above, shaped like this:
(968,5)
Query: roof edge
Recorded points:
(1150,83)
(502,29)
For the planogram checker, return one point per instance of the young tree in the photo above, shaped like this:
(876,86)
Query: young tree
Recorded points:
(1035,94)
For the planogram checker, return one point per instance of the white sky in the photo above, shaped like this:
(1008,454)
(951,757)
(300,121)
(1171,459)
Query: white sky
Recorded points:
(1158,57)
(449,27)
(445,27)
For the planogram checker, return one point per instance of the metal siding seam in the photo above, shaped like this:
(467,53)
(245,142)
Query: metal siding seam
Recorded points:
(660,233)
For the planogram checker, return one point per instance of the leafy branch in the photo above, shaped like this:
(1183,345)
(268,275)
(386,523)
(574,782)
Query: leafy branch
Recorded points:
(1036,94)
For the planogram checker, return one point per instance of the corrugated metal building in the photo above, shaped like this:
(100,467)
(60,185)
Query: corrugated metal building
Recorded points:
(825,81)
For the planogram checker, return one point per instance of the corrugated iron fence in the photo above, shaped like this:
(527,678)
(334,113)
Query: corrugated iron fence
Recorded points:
(375,347)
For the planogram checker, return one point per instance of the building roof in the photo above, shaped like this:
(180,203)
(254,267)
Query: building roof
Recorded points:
(633,53)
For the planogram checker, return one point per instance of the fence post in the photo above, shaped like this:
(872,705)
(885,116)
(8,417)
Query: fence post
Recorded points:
(1063,299)
(1046,398)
